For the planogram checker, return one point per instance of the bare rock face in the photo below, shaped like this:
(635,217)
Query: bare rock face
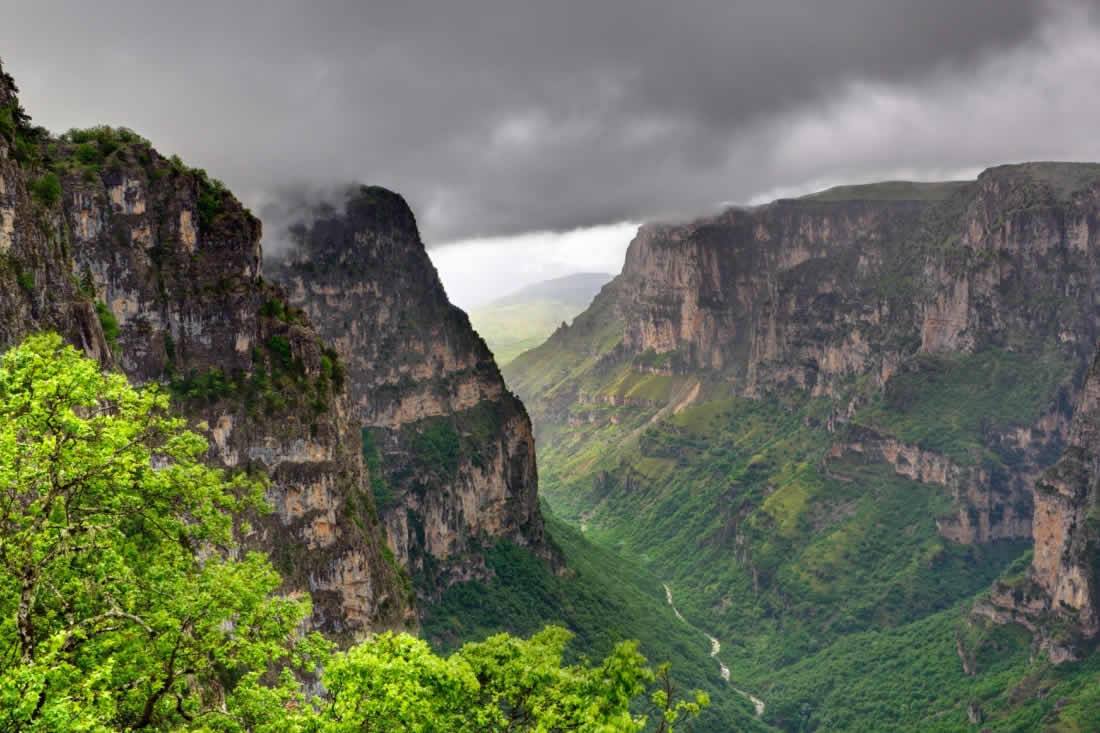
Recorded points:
(780,295)
(811,291)
(171,262)
(1059,597)
(37,287)
(451,449)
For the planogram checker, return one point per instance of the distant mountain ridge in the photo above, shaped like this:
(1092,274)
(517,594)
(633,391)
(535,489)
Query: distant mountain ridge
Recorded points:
(522,320)
(578,289)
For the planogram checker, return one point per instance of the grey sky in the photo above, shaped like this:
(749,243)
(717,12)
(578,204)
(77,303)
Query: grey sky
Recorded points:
(497,117)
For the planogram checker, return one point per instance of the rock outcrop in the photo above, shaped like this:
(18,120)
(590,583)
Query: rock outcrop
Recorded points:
(1059,596)
(451,448)
(157,269)
(982,514)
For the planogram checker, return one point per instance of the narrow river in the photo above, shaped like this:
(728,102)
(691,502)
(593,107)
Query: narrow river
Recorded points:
(715,649)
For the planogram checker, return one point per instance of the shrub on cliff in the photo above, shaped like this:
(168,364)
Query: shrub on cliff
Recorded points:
(47,190)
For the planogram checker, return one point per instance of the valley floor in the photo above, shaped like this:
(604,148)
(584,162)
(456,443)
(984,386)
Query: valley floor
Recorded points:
(715,650)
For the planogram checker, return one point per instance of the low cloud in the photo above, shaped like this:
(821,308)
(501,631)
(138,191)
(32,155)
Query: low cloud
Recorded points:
(1038,101)
(477,271)
(497,117)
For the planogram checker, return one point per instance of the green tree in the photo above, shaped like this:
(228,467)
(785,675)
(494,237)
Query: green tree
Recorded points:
(395,683)
(526,685)
(120,603)
(126,604)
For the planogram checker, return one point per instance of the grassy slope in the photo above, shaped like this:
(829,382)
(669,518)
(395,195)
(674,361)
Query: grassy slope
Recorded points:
(945,403)
(834,596)
(890,191)
(509,330)
(521,321)
(604,599)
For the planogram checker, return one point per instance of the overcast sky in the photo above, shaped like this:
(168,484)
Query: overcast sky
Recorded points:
(505,121)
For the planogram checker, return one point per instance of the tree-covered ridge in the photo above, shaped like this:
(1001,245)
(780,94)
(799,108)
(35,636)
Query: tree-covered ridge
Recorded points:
(125,602)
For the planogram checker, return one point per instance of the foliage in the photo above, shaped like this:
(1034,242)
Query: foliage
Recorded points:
(211,199)
(833,551)
(47,190)
(125,602)
(278,381)
(92,147)
(911,679)
(279,346)
(948,404)
(792,557)
(395,682)
(16,128)
(209,386)
(108,323)
(372,458)
(280,310)
(331,368)
(106,138)
(7,122)
(25,279)
(436,444)
(603,598)
(119,606)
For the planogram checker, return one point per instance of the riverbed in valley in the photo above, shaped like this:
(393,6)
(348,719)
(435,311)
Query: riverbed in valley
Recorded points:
(715,650)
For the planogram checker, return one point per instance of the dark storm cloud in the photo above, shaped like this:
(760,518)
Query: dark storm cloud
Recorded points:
(497,116)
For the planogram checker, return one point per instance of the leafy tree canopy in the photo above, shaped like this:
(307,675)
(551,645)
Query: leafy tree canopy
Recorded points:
(126,603)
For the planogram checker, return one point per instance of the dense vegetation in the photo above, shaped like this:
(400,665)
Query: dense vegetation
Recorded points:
(772,548)
(125,602)
(603,598)
(824,576)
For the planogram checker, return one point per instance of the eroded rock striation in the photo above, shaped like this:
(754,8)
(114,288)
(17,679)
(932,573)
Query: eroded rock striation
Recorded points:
(450,448)
(156,269)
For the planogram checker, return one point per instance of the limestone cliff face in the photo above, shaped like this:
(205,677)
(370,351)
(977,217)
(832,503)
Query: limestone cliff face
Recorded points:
(780,295)
(811,291)
(454,446)
(37,287)
(990,504)
(1059,597)
(171,260)
(836,294)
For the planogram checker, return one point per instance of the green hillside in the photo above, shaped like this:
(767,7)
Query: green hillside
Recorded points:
(603,598)
(833,595)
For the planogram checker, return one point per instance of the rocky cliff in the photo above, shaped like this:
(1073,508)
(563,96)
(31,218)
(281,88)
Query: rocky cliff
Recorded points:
(157,268)
(1058,598)
(811,291)
(37,290)
(450,448)
(849,294)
